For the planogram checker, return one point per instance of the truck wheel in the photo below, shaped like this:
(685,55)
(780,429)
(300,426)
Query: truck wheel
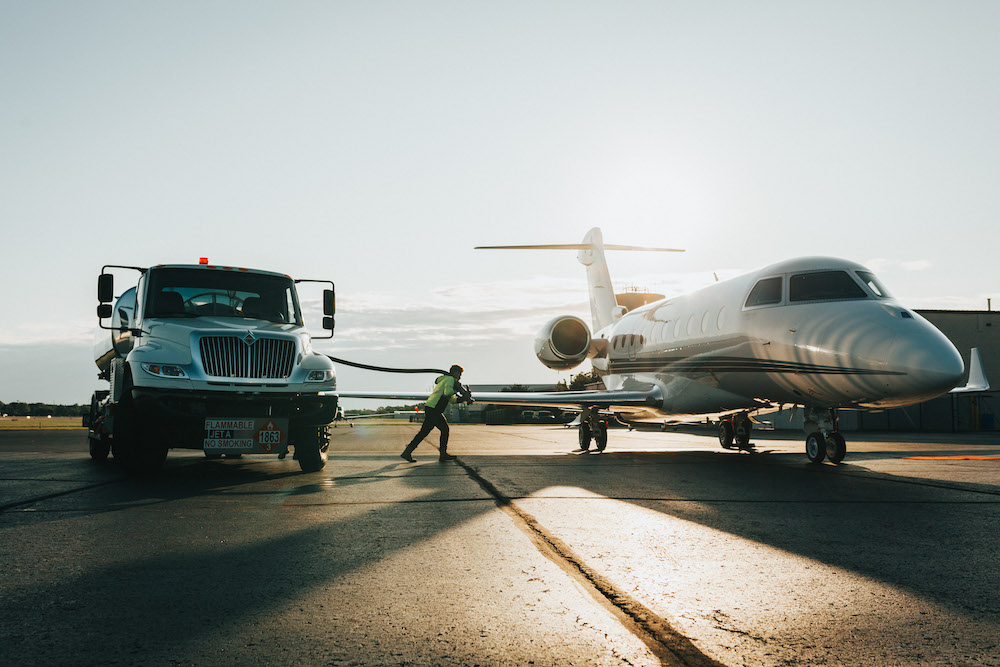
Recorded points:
(99,448)
(136,449)
(100,445)
(311,443)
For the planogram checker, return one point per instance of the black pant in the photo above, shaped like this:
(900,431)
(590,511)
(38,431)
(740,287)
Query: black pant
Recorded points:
(433,418)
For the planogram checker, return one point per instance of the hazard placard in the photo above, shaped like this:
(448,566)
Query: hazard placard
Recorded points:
(271,435)
(246,435)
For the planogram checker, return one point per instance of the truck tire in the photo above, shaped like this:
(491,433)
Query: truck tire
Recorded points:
(100,445)
(135,447)
(311,444)
(99,448)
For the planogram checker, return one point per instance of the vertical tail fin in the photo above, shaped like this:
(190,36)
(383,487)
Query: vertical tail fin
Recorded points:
(604,308)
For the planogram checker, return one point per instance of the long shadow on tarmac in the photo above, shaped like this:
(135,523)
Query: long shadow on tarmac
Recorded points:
(905,535)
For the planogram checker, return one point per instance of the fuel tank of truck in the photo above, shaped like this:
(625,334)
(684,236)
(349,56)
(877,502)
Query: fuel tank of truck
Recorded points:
(116,341)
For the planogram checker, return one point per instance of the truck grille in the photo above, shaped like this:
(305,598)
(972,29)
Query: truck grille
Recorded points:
(231,357)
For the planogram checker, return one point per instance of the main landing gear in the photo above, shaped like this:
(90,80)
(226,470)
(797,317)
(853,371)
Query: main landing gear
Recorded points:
(823,439)
(592,427)
(735,430)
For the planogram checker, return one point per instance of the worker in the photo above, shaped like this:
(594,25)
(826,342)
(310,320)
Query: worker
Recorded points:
(445,389)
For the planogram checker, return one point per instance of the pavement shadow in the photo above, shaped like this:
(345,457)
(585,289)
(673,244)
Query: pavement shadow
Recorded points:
(150,589)
(935,540)
(176,590)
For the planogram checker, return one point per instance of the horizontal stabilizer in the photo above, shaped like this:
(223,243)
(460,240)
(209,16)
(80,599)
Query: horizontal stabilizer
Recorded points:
(977,376)
(604,309)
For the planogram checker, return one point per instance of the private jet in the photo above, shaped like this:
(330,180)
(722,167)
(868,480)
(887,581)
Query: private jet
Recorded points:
(817,333)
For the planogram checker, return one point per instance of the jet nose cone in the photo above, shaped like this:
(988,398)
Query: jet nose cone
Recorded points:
(930,363)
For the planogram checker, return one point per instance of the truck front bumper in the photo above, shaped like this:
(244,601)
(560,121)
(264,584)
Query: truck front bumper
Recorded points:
(180,415)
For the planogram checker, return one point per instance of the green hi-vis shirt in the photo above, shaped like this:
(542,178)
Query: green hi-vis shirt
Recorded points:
(444,387)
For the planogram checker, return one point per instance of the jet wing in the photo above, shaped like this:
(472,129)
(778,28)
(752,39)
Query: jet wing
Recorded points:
(625,400)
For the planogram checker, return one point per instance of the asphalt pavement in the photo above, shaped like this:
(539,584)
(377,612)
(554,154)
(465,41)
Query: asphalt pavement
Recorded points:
(665,549)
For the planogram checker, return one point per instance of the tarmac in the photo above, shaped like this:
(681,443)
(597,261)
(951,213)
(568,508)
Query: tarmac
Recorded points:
(664,549)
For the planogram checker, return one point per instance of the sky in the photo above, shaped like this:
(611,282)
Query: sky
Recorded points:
(376,143)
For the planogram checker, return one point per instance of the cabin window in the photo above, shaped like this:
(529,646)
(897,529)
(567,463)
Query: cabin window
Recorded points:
(868,278)
(824,285)
(765,293)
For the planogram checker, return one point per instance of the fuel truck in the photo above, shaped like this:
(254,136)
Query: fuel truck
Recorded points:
(208,357)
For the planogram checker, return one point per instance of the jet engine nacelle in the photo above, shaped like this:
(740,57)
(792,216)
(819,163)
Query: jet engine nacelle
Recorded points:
(563,343)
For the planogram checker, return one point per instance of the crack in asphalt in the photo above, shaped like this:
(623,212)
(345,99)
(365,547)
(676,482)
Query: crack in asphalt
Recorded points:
(667,643)
(29,501)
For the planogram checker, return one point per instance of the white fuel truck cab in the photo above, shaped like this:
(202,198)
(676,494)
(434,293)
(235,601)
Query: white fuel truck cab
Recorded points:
(209,357)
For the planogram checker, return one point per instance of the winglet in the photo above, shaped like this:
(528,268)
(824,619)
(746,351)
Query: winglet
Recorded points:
(977,376)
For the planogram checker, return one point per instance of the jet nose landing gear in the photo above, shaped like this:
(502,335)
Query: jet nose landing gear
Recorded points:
(824,440)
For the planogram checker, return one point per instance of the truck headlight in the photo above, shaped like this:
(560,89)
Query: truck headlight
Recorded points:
(164,370)
(319,376)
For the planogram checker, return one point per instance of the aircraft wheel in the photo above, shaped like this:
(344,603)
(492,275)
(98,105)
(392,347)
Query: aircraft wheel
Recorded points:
(726,434)
(816,447)
(741,431)
(601,437)
(212,455)
(836,447)
(234,455)
(583,433)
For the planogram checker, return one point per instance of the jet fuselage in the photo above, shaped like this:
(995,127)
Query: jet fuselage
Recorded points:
(812,331)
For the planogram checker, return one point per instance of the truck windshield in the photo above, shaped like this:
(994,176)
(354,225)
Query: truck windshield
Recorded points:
(218,293)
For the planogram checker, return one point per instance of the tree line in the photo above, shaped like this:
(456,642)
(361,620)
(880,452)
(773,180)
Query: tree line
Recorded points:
(383,410)
(20,409)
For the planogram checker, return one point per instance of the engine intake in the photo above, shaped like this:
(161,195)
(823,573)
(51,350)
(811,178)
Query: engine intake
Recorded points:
(563,343)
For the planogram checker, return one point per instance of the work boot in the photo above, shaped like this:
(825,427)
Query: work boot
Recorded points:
(445,456)
(407,453)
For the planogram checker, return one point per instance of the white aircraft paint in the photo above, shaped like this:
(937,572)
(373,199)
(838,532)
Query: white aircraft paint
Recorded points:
(829,336)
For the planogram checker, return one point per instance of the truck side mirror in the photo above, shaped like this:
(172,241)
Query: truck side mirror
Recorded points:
(106,289)
(104,311)
(328,323)
(329,305)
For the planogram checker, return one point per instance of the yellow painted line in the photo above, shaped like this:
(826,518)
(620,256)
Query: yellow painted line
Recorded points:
(953,458)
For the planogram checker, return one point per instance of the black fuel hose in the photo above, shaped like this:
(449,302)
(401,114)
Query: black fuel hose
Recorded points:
(385,369)
(463,390)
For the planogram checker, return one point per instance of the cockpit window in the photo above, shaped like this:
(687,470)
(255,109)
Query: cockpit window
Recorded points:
(824,285)
(873,284)
(765,292)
